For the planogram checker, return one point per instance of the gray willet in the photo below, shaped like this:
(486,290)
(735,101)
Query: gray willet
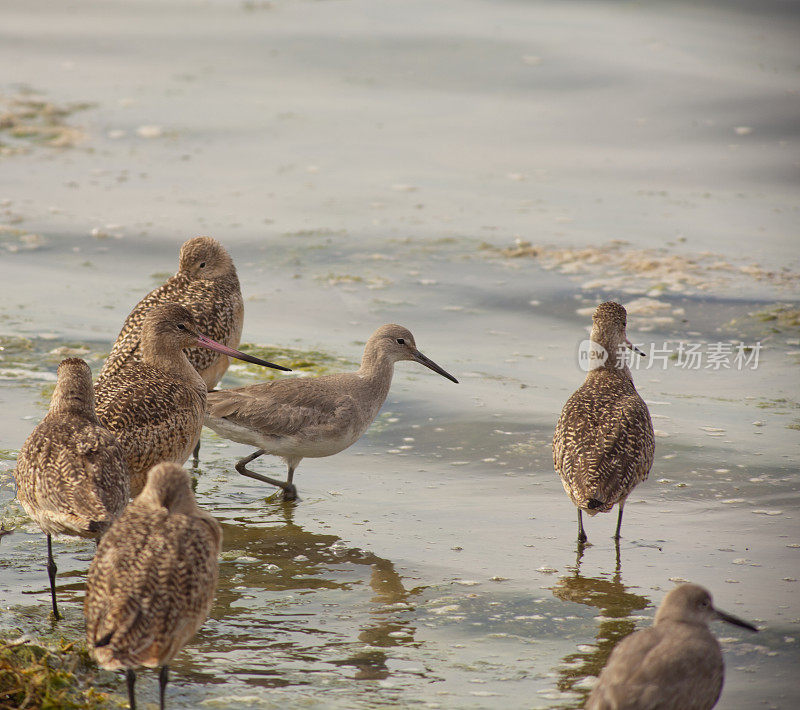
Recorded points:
(156,405)
(152,582)
(603,444)
(313,417)
(206,284)
(676,664)
(71,472)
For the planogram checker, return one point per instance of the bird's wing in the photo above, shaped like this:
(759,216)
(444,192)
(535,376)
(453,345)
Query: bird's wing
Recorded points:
(283,407)
(75,471)
(651,670)
(150,586)
(604,445)
(137,396)
(615,689)
(126,346)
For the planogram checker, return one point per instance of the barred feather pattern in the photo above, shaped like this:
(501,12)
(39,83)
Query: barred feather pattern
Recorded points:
(217,307)
(71,472)
(72,476)
(604,443)
(154,416)
(151,584)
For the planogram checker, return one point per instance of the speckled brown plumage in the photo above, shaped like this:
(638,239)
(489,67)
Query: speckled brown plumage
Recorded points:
(155,405)
(313,417)
(676,664)
(604,444)
(152,582)
(206,284)
(71,472)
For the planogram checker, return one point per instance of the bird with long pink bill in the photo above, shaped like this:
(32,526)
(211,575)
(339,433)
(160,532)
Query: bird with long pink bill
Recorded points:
(156,406)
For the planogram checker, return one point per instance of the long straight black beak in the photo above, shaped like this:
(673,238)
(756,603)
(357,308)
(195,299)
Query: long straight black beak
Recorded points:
(634,348)
(422,360)
(735,620)
(207,342)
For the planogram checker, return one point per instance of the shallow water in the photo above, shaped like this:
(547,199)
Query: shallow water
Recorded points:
(357,159)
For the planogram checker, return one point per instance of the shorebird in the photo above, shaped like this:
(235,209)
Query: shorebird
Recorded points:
(314,417)
(604,444)
(152,582)
(156,406)
(206,284)
(676,664)
(71,472)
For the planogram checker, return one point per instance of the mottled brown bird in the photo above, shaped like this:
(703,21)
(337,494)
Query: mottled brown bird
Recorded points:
(313,417)
(71,472)
(156,405)
(206,284)
(676,664)
(604,444)
(152,582)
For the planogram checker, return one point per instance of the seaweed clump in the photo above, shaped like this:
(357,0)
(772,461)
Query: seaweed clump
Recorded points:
(304,363)
(60,677)
(28,119)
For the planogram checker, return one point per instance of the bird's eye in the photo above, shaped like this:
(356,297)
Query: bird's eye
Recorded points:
(202,264)
(181,326)
(400,341)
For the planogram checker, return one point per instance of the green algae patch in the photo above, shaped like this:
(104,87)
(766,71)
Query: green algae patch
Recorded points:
(61,676)
(780,318)
(28,120)
(303,362)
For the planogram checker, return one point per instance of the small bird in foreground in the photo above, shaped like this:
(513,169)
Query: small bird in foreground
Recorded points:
(156,406)
(313,417)
(71,472)
(208,286)
(604,444)
(676,664)
(152,582)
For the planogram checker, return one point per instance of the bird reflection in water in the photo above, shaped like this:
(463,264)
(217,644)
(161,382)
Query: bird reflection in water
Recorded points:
(616,605)
(305,562)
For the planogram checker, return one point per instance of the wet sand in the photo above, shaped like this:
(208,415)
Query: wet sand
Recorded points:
(368,164)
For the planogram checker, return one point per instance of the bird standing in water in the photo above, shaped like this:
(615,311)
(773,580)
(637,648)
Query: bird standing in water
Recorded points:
(604,443)
(71,472)
(152,582)
(156,405)
(315,416)
(676,664)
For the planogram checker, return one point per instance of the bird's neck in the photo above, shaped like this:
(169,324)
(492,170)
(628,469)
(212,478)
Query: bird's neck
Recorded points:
(614,359)
(376,372)
(170,358)
(77,405)
(72,398)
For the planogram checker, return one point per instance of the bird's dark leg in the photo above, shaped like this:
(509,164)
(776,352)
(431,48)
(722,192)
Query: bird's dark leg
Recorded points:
(289,490)
(196,454)
(51,571)
(163,677)
(619,520)
(130,676)
(581,534)
(286,487)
